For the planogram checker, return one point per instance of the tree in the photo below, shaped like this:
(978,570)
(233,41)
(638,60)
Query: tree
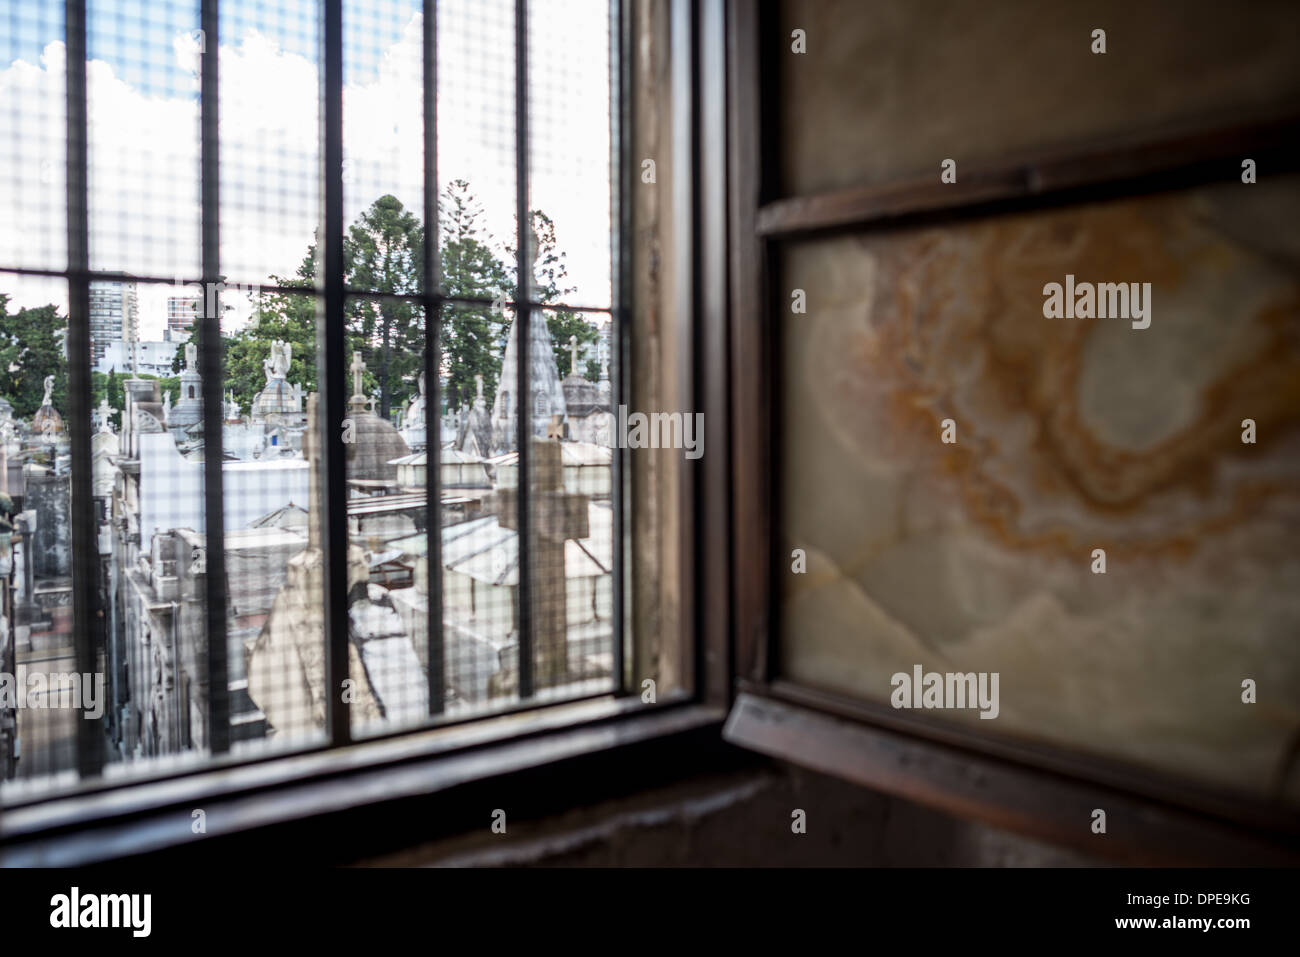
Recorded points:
(31,348)
(383,252)
(116,394)
(469,270)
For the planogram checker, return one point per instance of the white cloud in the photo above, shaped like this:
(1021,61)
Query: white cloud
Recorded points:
(144,177)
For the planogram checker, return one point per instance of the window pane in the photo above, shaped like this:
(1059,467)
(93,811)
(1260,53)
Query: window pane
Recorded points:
(270,140)
(146,427)
(142,89)
(33,127)
(273,512)
(569,149)
(383,143)
(476,143)
(480,554)
(388,609)
(38,724)
(569,506)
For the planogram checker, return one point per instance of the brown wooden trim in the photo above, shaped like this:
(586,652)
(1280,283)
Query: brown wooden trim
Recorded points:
(1041,804)
(684,315)
(713,498)
(751,388)
(1206,150)
(1145,782)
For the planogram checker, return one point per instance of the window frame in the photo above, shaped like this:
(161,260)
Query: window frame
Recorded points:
(72,825)
(1039,789)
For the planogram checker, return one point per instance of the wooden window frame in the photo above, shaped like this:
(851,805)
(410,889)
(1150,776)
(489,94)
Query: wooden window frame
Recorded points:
(1047,792)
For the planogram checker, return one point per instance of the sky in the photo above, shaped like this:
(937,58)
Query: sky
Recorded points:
(142,78)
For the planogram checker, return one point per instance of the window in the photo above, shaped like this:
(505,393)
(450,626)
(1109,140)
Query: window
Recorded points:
(263,320)
(936,474)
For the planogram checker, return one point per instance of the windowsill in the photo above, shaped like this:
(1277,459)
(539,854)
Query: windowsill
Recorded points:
(1043,804)
(141,818)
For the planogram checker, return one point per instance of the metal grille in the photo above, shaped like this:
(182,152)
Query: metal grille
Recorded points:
(459,550)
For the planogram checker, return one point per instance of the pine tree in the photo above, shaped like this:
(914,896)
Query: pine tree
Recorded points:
(383,252)
(471,270)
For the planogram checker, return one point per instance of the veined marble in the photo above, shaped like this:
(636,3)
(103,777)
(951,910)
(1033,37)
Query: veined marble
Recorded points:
(1072,434)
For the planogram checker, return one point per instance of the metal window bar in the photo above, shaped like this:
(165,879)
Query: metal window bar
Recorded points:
(523,347)
(96,275)
(335,524)
(210,368)
(85,548)
(621,279)
(432,361)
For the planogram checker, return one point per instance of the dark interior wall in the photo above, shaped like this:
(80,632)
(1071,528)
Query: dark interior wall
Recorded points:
(743,819)
(891,88)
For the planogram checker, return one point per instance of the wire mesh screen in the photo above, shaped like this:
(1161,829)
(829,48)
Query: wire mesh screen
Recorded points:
(33,121)
(257,379)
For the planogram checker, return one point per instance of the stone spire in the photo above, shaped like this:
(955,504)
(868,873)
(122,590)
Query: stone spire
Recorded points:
(547,397)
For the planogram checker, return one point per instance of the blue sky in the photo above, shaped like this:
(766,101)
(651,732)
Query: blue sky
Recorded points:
(135,36)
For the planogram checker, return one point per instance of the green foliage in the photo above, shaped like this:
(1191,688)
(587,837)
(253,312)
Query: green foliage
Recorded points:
(470,270)
(563,325)
(383,252)
(116,393)
(31,348)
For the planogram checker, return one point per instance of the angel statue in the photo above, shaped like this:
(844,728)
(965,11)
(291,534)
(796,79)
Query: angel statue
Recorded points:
(276,365)
(49,391)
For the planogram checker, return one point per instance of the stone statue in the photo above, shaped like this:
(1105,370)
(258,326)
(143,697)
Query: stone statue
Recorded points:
(415,411)
(276,365)
(103,413)
(49,391)
(191,357)
(167,403)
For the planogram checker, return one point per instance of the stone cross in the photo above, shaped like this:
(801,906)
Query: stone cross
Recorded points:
(556,516)
(358,366)
(573,355)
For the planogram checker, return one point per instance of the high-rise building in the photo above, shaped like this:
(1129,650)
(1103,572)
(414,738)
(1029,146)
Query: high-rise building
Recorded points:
(114,315)
(181,311)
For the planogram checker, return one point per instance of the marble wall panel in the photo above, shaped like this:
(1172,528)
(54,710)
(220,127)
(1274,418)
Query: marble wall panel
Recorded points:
(1072,434)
